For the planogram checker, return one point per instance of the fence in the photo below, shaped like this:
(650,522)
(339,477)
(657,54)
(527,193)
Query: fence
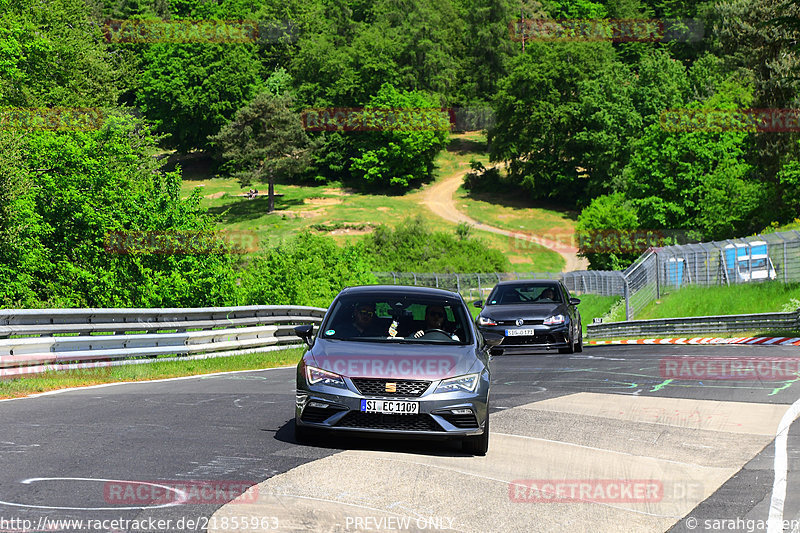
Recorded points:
(658,271)
(37,340)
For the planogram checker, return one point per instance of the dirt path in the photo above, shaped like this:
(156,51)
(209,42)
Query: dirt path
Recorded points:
(439,199)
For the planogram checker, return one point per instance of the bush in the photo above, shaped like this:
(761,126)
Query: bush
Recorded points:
(308,270)
(412,247)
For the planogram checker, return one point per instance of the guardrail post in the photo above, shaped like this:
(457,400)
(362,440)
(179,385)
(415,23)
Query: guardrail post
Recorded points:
(658,274)
(626,293)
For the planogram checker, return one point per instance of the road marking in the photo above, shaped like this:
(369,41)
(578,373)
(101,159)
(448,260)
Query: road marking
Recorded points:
(181,495)
(775,520)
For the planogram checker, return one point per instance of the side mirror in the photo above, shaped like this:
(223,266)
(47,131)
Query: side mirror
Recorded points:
(574,301)
(478,304)
(492,340)
(304,332)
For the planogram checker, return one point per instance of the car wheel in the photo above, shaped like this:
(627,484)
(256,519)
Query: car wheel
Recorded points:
(479,444)
(569,349)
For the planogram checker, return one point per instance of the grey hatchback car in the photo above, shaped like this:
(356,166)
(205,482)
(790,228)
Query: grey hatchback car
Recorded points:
(402,361)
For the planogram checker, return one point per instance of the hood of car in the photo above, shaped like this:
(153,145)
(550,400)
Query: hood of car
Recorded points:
(394,360)
(528,310)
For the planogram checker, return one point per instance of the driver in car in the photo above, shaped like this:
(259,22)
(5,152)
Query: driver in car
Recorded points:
(547,294)
(434,319)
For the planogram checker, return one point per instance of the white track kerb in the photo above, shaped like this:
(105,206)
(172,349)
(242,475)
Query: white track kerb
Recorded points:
(775,524)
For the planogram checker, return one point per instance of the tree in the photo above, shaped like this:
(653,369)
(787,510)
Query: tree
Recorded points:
(58,247)
(537,116)
(52,55)
(264,141)
(601,231)
(398,156)
(189,91)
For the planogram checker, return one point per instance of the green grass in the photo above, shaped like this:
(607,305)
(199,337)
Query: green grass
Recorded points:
(594,306)
(515,212)
(347,215)
(725,300)
(35,383)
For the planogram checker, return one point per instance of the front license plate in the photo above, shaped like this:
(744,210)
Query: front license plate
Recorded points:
(530,332)
(389,407)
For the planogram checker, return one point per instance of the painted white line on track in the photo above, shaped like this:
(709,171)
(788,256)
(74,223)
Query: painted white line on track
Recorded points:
(101,385)
(563,443)
(182,496)
(775,521)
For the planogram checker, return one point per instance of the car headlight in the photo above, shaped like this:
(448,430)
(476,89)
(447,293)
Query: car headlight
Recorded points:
(316,375)
(485,321)
(466,383)
(553,320)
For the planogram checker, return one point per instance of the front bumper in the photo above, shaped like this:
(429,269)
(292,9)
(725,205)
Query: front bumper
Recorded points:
(546,337)
(434,420)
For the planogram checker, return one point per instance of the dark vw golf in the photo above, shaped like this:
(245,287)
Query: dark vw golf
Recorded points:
(404,361)
(532,315)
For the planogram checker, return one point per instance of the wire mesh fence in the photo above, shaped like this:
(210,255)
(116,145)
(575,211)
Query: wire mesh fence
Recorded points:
(658,271)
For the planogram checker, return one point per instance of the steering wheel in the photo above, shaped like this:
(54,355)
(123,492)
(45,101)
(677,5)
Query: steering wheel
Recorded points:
(437,331)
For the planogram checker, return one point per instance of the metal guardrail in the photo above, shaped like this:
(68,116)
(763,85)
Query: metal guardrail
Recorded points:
(37,340)
(697,325)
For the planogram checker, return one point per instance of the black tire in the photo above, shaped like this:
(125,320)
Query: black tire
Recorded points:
(479,444)
(579,344)
(568,349)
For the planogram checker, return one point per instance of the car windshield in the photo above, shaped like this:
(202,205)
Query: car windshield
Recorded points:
(398,318)
(524,294)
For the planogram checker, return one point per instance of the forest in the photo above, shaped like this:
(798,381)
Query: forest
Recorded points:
(94,93)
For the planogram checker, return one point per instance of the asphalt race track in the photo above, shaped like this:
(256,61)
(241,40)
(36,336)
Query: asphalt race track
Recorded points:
(598,441)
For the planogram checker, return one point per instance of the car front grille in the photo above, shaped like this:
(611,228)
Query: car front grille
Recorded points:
(356,419)
(461,421)
(377,387)
(536,339)
(525,322)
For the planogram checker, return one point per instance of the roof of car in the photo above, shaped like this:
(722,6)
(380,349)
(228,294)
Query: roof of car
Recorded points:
(406,289)
(541,282)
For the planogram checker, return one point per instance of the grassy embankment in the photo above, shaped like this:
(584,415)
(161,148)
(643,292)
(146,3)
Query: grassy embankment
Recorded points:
(346,214)
(35,383)
(744,298)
